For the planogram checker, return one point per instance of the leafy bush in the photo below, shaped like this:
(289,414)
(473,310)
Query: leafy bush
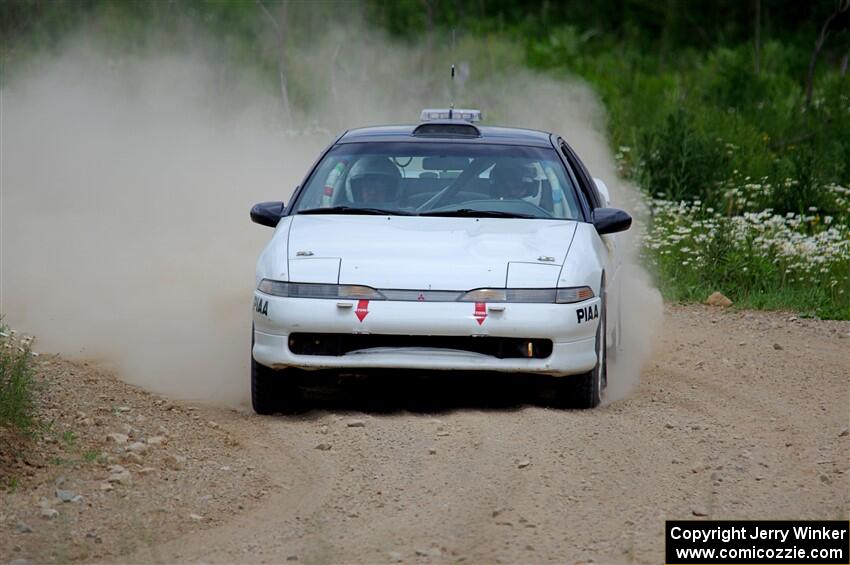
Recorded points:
(680,162)
(748,183)
(17,399)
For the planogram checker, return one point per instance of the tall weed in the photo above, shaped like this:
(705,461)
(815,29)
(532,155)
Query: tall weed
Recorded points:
(17,394)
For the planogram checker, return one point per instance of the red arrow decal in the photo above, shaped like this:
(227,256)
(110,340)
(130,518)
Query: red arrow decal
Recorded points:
(480,312)
(362,310)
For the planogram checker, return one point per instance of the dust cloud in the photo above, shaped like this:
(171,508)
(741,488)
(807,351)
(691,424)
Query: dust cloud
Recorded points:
(126,184)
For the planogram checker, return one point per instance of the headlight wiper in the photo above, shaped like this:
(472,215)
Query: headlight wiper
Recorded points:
(355,210)
(470,213)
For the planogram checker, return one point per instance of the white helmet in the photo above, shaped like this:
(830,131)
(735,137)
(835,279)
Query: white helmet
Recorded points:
(374,180)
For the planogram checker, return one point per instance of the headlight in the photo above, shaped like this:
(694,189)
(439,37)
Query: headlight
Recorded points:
(360,292)
(529,295)
(310,290)
(573,294)
(275,288)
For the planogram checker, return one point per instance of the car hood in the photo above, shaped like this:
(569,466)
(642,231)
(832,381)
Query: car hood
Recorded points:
(400,252)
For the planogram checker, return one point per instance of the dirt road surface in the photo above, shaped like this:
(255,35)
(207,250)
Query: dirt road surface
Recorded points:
(739,415)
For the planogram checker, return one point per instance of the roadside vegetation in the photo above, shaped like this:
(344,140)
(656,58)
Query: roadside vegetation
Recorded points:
(747,177)
(732,117)
(17,394)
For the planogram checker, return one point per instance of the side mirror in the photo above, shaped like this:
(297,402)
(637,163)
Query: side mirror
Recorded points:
(603,190)
(611,220)
(267,213)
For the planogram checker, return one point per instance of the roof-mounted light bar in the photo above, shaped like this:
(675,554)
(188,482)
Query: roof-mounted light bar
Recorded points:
(431,114)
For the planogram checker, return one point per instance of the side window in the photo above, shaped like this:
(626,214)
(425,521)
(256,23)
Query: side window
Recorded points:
(588,188)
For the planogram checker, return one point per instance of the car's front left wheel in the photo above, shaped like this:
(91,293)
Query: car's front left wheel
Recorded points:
(585,391)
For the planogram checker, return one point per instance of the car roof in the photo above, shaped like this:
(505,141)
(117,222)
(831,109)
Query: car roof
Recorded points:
(489,134)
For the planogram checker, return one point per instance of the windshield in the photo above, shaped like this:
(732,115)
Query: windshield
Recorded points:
(436,179)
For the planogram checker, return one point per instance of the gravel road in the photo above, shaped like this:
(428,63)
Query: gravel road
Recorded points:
(739,415)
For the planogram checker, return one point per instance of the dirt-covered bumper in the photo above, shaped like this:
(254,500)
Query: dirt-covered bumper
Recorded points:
(570,327)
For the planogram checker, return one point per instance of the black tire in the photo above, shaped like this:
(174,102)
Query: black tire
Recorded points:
(615,348)
(272,390)
(607,347)
(585,391)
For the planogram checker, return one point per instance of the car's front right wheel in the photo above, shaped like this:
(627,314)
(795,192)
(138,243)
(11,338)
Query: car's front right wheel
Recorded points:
(272,390)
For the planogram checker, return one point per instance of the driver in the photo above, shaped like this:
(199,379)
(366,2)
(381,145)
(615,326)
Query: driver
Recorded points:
(512,180)
(374,180)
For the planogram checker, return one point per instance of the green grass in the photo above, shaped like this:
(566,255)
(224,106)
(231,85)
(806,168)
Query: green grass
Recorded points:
(705,129)
(12,484)
(69,438)
(750,279)
(808,303)
(760,260)
(17,395)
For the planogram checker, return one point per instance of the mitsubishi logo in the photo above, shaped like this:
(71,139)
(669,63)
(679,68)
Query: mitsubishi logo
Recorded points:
(421,297)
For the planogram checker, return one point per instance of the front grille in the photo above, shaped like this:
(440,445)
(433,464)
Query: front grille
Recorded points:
(339,344)
(422,295)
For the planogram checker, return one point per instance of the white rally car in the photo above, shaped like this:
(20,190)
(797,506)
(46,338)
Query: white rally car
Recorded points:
(439,246)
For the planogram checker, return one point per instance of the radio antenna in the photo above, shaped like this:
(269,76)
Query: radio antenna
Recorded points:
(452,93)
(452,84)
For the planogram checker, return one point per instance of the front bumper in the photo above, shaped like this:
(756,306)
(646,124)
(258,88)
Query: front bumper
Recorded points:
(573,334)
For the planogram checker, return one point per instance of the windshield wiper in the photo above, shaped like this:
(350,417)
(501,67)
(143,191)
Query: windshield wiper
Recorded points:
(355,210)
(470,213)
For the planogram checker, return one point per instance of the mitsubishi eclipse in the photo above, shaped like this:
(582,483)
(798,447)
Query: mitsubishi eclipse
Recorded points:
(443,246)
